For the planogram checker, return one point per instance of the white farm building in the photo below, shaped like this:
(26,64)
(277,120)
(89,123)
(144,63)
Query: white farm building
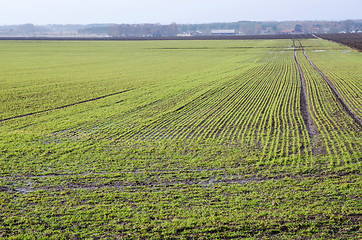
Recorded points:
(223,32)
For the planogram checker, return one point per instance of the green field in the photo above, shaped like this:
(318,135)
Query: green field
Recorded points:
(179,139)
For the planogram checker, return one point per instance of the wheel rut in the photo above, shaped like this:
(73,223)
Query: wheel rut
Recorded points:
(345,106)
(306,111)
(65,106)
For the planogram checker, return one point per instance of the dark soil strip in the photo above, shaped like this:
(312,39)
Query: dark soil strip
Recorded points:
(334,90)
(317,36)
(65,106)
(352,40)
(307,117)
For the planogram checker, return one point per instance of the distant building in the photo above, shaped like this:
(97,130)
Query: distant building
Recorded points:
(288,31)
(189,34)
(184,35)
(223,32)
(265,30)
(196,33)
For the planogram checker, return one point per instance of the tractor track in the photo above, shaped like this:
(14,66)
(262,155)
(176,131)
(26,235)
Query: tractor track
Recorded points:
(64,106)
(349,111)
(138,185)
(305,109)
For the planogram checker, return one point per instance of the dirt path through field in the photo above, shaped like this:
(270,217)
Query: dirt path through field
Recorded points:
(334,90)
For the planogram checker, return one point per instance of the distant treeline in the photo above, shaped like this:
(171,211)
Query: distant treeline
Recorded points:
(352,40)
(170,30)
(232,37)
(240,28)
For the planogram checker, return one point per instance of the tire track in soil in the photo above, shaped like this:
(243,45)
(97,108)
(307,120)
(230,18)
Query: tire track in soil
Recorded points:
(312,127)
(139,184)
(205,182)
(137,171)
(65,106)
(357,120)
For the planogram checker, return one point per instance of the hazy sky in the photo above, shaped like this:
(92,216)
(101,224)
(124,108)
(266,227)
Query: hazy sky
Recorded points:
(168,11)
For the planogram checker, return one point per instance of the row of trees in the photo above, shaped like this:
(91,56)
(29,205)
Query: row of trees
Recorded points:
(242,27)
(143,30)
(158,30)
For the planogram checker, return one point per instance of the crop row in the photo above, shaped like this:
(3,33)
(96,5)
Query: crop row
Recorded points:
(211,143)
(343,73)
(337,129)
(259,108)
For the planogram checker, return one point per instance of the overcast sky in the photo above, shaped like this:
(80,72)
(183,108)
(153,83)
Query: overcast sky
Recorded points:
(168,11)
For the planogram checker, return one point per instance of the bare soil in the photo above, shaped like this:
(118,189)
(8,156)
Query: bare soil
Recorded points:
(353,40)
